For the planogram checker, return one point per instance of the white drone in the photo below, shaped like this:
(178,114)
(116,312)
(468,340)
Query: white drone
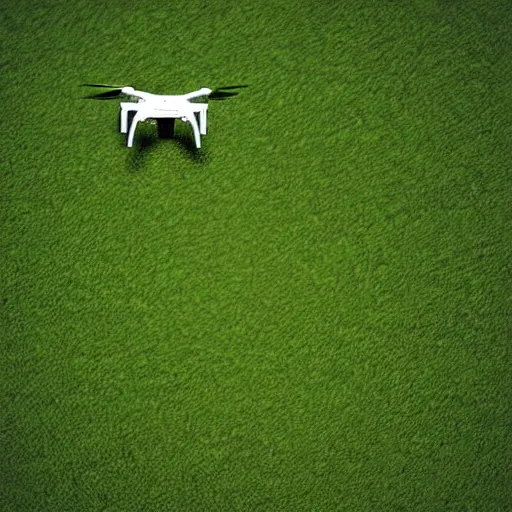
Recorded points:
(159,106)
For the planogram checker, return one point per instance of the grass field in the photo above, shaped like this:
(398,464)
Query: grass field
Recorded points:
(312,312)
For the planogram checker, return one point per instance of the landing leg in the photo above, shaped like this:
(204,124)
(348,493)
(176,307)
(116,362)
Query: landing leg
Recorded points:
(191,118)
(139,116)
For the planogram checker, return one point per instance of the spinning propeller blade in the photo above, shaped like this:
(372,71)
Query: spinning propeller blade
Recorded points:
(220,92)
(104,86)
(232,87)
(108,95)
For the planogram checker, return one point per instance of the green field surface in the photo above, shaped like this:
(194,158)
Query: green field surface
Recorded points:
(312,312)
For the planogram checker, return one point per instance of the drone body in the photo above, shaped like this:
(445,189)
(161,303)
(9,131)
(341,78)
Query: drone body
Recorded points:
(156,106)
(159,106)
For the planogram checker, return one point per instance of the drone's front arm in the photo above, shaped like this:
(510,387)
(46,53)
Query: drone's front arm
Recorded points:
(204,91)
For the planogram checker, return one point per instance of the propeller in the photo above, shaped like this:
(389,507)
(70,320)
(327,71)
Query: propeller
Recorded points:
(108,95)
(105,86)
(222,93)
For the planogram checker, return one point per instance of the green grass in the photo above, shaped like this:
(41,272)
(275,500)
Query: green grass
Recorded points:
(312,312)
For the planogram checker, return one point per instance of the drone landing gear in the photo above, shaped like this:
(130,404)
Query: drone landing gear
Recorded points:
(165,119)
(165,127)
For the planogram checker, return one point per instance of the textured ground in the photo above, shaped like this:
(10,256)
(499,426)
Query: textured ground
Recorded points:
(310,313)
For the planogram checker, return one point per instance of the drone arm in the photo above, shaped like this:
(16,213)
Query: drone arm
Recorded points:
(204,91)
(130,91)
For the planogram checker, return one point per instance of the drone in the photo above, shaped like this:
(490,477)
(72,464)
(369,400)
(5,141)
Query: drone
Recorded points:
(163,107)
